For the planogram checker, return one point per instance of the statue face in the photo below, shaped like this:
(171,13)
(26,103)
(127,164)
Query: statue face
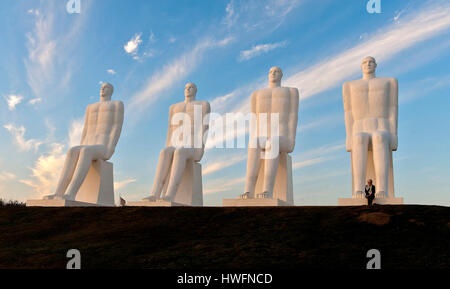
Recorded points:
(190,90)
(275,74)
(368,65)
(106,91)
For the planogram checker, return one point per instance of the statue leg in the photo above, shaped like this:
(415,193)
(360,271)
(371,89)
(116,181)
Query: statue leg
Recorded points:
(67,172)
(381,161)
(180,158)
(253,162)
(162,172)
(360,148)
(86,156)
(270,172)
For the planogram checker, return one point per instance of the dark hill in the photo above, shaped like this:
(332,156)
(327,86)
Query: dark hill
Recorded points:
(407,236)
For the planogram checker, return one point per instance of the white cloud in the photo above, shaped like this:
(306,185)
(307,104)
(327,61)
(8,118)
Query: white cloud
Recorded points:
(111,71)
(13,100)
(19,137)
(46,170)
(48,166)
(35,100)
(132,46)
(308,163)
(259,49)
(75,131)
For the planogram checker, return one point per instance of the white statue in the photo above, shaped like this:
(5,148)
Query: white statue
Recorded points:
(266,102)
(371,120)
(174,158)
(101,132)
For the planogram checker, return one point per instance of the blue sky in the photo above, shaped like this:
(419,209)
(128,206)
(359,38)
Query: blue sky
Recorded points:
(52,64)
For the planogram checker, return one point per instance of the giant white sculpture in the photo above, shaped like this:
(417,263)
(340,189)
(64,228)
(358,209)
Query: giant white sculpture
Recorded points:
(87,176)
(371,121)
(178,178)
(269,175)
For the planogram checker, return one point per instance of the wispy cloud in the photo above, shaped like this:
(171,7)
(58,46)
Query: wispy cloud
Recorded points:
(13,100)
(222,185)
(35,100)
(259,49)
(383,45)
(122,184)
(215,165)
(111,71)
(6,176)
(172,73)
(50,45)
(19,137)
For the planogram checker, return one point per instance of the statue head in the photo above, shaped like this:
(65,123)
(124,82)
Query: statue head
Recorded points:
(275,75)
(106,91)
(190,91)
(368,65)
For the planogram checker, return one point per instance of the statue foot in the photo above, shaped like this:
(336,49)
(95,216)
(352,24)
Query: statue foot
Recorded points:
(358,195)
(167,198)
(68,198)
(380,195)
(245,195)
(149,199)
(265,195)
(50,197)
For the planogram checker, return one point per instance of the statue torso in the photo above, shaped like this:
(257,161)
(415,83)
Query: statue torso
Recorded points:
(100,122)
(274,100)
(370,103)
(196,119)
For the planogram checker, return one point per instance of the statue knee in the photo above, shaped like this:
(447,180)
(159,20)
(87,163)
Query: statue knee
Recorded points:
(380,138)
(360,139)
(73,150)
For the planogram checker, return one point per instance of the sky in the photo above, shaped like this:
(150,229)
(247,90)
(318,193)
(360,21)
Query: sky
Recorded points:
(52,65)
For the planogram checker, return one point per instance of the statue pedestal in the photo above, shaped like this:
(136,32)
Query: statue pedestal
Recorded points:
(157,203)
(363,202)
(282,192)
(254,203)
(58,203)
(96,190)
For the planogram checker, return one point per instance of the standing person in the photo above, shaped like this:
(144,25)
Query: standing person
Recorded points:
(370,192)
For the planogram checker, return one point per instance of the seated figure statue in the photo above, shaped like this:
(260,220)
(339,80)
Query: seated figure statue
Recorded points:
(266,104)
(371,120)
(101,132)
(177,154)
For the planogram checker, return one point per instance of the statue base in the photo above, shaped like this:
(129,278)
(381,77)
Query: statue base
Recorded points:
(254,203)
(59,203)
(363,201)
(157,203)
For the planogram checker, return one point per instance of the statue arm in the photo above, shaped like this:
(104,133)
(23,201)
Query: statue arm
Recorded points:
(168,139)
(253,134)
(293,118)
(84,132)
(393,114)
(117,128)
(348,116)
(206,110)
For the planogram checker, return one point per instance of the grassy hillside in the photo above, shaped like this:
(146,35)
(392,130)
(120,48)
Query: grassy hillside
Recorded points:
(221,238)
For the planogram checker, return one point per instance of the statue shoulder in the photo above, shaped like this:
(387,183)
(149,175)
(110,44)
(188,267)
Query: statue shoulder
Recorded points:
(350,83)
(293,91)
(118,104)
